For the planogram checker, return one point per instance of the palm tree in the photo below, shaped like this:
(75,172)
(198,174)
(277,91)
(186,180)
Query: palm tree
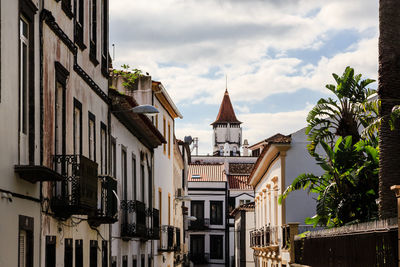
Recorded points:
(389,95)
(345,116)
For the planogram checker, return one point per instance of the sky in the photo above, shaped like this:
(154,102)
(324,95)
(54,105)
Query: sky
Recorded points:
(278,55)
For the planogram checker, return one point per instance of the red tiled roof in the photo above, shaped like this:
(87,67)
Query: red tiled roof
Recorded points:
(275,139)
(245,207)
(239,182)
(240,168)
(226,112)
(206,173)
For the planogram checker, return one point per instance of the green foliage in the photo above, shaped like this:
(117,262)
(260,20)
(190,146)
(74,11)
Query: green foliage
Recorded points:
(345,115)
(129,75)
(347,190)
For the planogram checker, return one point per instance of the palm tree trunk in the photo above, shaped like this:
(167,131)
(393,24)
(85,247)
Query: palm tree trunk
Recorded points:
(389,94)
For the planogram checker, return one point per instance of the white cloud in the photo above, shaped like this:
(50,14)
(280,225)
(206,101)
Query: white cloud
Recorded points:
(179,41)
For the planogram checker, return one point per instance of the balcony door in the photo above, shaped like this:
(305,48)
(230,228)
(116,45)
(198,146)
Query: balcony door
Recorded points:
(197,210)
(197,247)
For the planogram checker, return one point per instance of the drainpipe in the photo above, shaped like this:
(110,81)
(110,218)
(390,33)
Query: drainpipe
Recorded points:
(41,7)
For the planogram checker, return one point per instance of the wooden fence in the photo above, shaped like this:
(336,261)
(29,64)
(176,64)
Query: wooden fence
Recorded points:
(367,244)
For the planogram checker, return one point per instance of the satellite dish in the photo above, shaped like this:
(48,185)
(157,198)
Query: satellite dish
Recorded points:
(188,139)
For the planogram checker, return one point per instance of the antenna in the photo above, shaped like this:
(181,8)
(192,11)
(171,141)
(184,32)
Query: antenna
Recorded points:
(226,81)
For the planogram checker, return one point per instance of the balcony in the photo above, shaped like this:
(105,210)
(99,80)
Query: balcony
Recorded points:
(107,210)
(76,193)
(133,223)
(265,238)
(37,173)
(199,224)
(167,238)
(154,231)
(199,258)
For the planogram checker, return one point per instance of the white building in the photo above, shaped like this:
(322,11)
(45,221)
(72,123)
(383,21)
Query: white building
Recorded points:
(227,133)
(208,234)
(20,161)
(133,140)
(148,92)
(281,160)
(244,223)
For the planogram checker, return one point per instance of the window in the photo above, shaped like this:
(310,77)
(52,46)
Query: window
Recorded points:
(68,252)
(77,127)
(134,261)
(103,148)
(197,247)
(142,179)
(50,260)
(216,247)
(24,70)
(142,261)
(60,95)
(124,174)
(26,107)
(113,156)
(79,23)
(113,261)
(92,136)
(216,212)
(79,253)
(104,43)
(134,178)
(104,254)
(165,135)
(93,253)
(197,209)
(125,261)
(93,32)
(169,140)
(25,242)
(241,202)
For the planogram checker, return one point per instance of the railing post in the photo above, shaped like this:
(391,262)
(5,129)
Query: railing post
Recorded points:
(396,189)
(293,231)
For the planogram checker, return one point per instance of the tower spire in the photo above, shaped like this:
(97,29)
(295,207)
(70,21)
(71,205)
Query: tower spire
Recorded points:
(226,82)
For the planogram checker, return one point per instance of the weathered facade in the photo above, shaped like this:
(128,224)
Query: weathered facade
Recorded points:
(75,131)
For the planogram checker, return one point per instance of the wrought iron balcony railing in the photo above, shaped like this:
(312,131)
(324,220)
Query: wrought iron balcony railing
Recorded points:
(107,209)
(199,224)
(167,238)
(77,192)
(133,222)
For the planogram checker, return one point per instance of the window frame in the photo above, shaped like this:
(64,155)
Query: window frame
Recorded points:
(216,253)
(92,118)
(217,220)
(78,106)
(103,148)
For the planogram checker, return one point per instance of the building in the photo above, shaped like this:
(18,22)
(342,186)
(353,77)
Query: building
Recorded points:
(208,234)
(281,160)
(224,174)
(244,223)
(20,161)
(74,130)
(227,132)
(148,92)
(133,140)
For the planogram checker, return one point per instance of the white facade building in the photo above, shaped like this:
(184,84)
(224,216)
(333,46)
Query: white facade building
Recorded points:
(282,159)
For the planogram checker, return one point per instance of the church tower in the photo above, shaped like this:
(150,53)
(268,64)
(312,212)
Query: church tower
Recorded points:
(227,134)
